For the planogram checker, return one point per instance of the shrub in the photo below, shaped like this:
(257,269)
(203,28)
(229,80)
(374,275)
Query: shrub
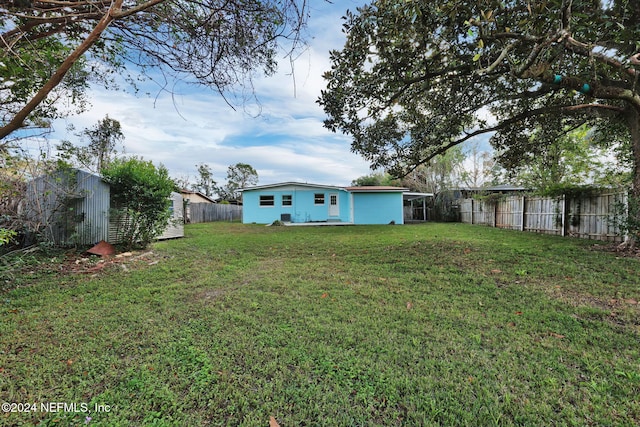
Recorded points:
(139,198)
(6,236)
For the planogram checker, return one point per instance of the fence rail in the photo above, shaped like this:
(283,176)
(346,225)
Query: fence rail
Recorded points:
(210,212)
(590,217)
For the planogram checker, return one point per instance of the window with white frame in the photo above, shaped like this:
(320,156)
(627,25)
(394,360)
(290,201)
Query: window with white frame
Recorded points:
(287,200)
(267,200)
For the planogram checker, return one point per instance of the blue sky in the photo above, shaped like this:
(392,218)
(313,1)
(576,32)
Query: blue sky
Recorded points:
(286,142)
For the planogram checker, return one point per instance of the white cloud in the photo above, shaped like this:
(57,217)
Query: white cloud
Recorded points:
(287,142)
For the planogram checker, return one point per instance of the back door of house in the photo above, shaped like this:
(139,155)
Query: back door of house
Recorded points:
(334,208)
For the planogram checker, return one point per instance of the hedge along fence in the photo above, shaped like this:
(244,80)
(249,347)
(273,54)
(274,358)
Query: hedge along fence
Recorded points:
(594,216)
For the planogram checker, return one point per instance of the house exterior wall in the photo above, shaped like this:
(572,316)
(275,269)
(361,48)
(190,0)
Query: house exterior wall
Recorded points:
(354,205)
(196,198)
(377,208)
(303,207)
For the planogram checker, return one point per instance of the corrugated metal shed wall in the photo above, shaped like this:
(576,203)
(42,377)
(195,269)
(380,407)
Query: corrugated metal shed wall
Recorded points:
(93,209)
(71,206)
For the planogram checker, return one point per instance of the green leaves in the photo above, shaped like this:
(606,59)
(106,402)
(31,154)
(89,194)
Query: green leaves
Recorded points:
(415,80)
(140,196)
(6,236)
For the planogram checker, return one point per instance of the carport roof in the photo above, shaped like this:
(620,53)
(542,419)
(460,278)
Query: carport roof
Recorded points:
(408,195)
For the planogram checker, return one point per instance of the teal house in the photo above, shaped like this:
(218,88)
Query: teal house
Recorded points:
(299,203)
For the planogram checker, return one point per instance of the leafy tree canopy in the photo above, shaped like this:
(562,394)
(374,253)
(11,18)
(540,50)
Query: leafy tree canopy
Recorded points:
(100,148)
(376,178)
(205,184)
(416,78)
(571,160)
(239,176)
(140,194)
(217,43)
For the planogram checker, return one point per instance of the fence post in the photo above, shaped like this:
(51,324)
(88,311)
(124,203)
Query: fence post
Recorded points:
(472,211)
(564,215)
(524,209)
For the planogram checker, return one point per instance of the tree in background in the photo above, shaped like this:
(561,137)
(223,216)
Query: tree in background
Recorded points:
(442,172)
(17,168)
(571,160)
(182,181)
(140,195)
(12,189)
(478,169)
(376,178)
(100,149)
(240,175)
(50,51)
(417,78)
(205,182)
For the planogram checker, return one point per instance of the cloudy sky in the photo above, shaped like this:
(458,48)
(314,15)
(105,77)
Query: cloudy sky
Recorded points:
(285,142)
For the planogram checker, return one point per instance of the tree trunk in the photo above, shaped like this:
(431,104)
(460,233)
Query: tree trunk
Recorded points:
(18,120)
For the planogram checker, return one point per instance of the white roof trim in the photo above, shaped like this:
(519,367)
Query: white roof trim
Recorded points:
(297,184)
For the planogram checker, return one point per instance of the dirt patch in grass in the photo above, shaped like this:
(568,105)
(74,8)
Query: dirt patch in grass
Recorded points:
(30,267)
(209,295)
(618,249)
(80,264)
(619,311)
(578,300)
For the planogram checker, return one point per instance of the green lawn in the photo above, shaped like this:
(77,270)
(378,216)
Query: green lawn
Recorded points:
(416,325)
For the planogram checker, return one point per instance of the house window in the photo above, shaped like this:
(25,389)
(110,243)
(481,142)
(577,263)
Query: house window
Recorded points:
(318,199)
(267,201)
(286,200)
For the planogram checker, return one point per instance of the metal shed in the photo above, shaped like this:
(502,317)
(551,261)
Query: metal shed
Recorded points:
(72,207)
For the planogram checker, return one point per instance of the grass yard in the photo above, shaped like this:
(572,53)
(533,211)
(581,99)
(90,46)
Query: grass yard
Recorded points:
(416,325)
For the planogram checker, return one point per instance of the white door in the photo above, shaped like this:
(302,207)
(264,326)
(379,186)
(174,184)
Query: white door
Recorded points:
(334,208)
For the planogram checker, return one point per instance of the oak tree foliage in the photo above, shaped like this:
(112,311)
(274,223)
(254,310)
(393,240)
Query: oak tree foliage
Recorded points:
(416,78)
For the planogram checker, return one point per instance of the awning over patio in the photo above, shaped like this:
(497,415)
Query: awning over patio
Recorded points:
(415,206)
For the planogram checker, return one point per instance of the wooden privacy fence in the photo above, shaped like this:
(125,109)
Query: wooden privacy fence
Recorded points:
(589,217)
(210,212)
